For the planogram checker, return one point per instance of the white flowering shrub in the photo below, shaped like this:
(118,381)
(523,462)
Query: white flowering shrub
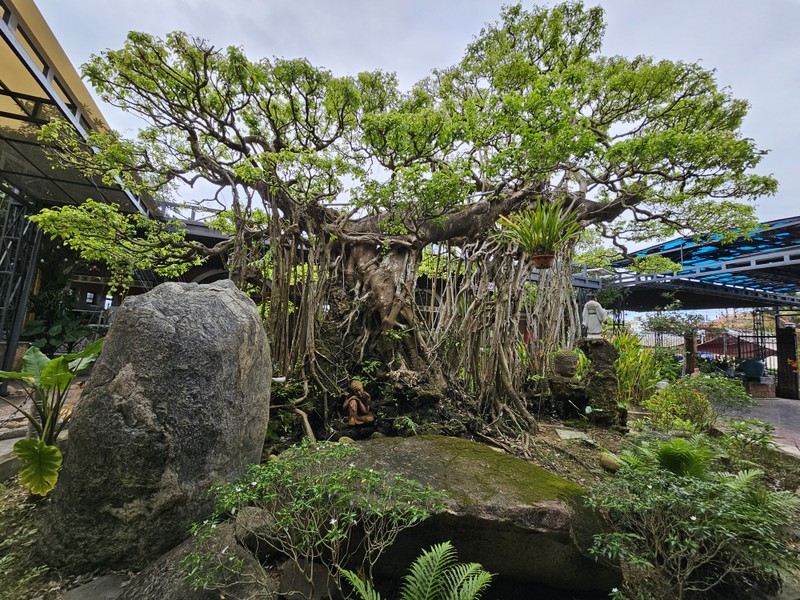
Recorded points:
(318,508)
(682,530)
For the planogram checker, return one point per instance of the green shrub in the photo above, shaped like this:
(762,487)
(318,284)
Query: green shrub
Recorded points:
(636,369)
(726,395)
(749,433)
(695,403)
(682,533)
(315,498)
(434,575)
(668,366)
(679,408)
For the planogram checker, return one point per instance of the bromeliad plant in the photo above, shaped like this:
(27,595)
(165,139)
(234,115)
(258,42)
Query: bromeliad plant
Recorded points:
(47,383)
(542,230)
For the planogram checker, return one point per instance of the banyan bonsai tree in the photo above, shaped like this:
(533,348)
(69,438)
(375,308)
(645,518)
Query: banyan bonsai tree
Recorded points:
(534,115)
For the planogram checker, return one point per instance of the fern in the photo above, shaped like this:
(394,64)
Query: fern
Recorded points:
(434,575)
(692,457)
(425,579)
(466,581)
(363,588)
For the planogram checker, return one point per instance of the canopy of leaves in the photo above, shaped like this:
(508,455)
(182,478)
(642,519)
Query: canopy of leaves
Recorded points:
(126,243)
(643,148)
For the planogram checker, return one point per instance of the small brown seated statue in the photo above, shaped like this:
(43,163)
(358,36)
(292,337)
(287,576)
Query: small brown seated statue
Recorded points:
(358,407)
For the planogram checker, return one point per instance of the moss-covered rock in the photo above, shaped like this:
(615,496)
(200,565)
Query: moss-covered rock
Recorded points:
(515,518)
(568,396)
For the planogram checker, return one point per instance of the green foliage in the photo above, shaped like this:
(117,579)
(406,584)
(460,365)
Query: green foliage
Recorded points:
(654,264)
(726,395)
(746,434)
(685,457)
(315,497)
(694,403)
(541,230)
(668,366)
(679,408)
(434,575)
(55,324)
(47,383)
(682,530)
(40,465)
(405,426)
(439,263)
(636,369)
(676,323)
(124,242)
(583,363)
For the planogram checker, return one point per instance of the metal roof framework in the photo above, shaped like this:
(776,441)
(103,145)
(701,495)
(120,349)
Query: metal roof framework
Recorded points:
(757,270)
(38,83)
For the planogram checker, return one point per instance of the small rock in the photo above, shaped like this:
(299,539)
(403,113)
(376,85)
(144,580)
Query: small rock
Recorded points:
(570,434)
(165,579)
(346,440)
(376,435)
(610,462)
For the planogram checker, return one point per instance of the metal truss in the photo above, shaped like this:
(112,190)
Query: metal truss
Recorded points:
(681,282)
(19,249)
(753,262)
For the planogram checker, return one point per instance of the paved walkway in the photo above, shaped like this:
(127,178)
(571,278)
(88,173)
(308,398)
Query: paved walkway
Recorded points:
(785,416)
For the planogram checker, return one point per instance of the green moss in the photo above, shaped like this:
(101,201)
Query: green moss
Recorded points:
(470,473)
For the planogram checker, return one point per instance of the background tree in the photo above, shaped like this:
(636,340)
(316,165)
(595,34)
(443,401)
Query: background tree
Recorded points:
(533,114)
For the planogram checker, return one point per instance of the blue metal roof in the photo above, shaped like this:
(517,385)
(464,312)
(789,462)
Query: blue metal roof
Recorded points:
(767,262)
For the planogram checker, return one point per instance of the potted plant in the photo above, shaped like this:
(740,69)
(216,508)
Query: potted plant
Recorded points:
(539,232)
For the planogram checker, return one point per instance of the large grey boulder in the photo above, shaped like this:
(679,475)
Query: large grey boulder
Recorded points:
(177,401)
(516,519)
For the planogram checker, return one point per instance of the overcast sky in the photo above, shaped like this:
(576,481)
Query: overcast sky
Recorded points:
(753,45)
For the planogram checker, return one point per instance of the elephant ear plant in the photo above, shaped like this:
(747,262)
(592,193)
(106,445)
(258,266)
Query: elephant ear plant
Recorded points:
(47,383)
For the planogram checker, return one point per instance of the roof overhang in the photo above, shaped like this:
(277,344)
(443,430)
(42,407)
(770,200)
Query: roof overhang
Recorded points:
(757,270)
(38,83)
